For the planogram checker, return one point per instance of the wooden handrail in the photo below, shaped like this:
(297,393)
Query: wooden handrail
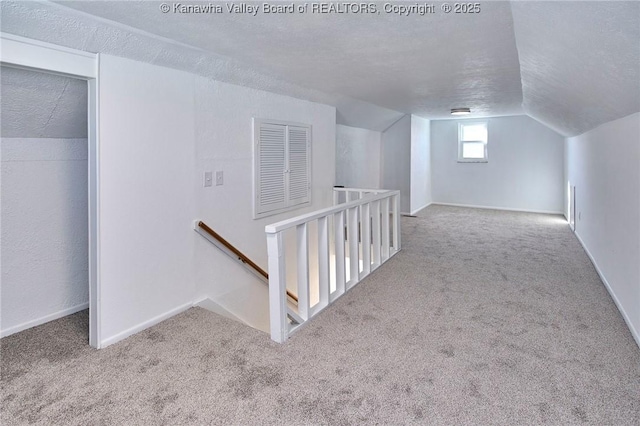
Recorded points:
(241,256)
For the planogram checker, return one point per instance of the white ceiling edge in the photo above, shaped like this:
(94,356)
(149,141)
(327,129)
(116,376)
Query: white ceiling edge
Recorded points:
(57,24)
(352,112)
(561,130)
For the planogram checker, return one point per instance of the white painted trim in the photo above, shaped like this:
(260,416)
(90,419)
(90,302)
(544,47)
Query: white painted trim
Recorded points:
(627,319)
(44,319)
(93,192)
(413,213)
(472,206)
(212,306)
(367,190)
(329,305)
(386,203)
(472,122)
(200,299)
(144,325)
(298,220)
(22,52)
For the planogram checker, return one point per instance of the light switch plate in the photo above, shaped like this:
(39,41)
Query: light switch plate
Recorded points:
(219,178)
(208,179)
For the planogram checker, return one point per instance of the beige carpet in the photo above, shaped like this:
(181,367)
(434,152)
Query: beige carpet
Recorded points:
(485,317)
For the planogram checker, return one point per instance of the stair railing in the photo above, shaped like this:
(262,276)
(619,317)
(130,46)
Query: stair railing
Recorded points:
(216,239)
(354,238)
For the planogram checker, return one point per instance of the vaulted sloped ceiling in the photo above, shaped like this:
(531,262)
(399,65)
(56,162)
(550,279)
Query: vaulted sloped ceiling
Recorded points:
(570,65)
(419,64)
(579,61)
(53,23)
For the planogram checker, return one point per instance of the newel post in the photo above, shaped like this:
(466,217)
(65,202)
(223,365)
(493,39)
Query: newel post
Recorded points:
(277,288)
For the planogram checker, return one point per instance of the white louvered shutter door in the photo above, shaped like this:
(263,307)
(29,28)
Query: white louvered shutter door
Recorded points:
(299,167)
(271,191)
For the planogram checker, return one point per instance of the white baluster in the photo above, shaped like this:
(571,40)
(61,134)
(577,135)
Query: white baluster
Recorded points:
(375,214)
(324,282)
(369,228)
(365,237)
(303,270)
(360,231)
(396,223)
(338,224)
(385,228)
(277,288)
(352,230)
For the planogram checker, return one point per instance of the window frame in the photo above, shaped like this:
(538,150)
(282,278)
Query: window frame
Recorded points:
(257,124)
(461,158)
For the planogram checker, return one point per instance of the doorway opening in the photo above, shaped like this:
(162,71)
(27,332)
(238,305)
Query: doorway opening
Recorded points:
(79,71)
(44,206)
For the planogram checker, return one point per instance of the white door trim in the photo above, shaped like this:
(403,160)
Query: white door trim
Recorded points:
(34,54)
(21,52)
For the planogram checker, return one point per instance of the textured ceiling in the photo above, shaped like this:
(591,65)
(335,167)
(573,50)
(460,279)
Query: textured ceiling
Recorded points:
(39,105)
(580,62)
(413,64)
(570,65)
(60,25)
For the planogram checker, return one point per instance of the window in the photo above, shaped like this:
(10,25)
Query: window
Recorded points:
(472,142)
(282,166)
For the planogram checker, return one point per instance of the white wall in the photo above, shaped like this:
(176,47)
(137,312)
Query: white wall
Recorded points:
(404,155)
(604,166)
(524,172)
(396,160)
(420,164)
(160,130)
(358,156)
(44,230)
(146,194)
(224,142)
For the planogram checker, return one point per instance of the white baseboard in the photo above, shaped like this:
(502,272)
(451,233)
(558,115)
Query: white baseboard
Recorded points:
(473,206)
(144,325)
(210,305)
(43,320)
(413,213)
(625,316)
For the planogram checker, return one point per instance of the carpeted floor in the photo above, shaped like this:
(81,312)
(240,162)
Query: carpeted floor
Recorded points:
(485,317)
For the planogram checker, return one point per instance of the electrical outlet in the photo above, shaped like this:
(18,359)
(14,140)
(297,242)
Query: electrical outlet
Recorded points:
(208,179)
(219,178)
